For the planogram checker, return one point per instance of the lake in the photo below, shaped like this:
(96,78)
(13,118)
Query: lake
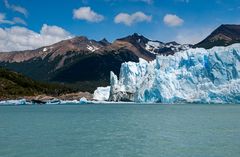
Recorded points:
(124,130)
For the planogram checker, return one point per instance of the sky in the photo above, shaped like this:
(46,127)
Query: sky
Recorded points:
(26,24)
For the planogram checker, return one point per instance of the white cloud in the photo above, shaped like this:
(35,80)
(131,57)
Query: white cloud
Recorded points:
(20,38)
(86,13)
(128,19)
(172,20)
(186,1)
(193,35)
(16,8)
(15,20)
(187,38)
(19,20)
(146,1)
(3,19)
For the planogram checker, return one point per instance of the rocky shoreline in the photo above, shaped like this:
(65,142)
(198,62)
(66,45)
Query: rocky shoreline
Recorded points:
(69,96)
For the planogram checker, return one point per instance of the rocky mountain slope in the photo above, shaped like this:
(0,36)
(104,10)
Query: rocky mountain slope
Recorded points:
(223,36)
(85,63)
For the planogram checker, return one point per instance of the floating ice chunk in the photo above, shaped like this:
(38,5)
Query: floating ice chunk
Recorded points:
(83,100)
(14,102)
(69,102)
(53,101)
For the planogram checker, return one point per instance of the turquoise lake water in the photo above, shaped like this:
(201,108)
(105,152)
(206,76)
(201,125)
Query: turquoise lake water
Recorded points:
(120,131)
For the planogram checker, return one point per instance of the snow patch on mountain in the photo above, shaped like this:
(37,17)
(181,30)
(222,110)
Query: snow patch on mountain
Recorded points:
(177,47)
(92,48)
(156,47)
(152,46)
(45,49)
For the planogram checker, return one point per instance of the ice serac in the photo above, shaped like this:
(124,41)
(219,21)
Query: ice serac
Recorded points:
(195,75)
(101,93)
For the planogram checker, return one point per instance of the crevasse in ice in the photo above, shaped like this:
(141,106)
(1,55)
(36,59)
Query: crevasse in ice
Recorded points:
(195,75)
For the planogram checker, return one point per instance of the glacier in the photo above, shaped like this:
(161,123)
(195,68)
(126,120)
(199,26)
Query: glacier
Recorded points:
(190,76)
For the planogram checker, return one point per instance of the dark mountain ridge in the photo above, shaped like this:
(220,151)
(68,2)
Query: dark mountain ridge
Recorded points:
(224,35)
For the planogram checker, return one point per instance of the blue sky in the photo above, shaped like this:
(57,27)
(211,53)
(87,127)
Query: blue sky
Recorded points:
(186,21)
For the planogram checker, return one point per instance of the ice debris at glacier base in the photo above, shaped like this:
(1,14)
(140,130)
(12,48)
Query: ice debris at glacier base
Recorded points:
(49,102)
(101,93)
(14,102)
(195,75)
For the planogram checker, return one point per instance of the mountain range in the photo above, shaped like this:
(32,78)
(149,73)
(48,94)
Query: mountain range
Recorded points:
(85,64)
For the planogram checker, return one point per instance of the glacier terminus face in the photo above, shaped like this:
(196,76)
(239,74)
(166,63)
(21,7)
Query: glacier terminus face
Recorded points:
(194,76)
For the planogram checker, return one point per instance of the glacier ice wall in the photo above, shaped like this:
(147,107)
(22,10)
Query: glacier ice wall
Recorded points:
(195,75)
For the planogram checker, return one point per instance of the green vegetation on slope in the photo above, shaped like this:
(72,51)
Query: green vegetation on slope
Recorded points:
(14,85)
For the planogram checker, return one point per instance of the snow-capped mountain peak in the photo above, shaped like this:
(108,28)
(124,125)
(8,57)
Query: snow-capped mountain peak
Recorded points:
(154,46)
